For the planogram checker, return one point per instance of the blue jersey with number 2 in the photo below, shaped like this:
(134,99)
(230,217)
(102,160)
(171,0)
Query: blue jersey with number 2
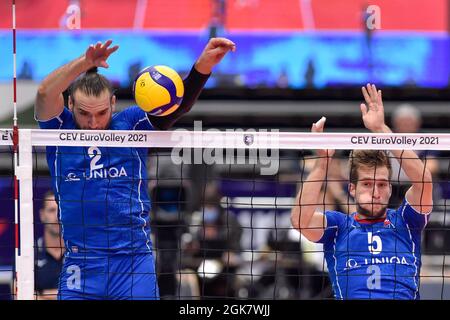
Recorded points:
(102,192)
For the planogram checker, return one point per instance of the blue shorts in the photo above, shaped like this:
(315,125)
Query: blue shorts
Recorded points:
(115,277)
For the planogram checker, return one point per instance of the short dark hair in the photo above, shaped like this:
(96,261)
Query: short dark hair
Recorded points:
(91,83)
(368,158)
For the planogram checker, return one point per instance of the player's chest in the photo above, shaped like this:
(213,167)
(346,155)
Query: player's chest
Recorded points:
(99,163)
(374,239)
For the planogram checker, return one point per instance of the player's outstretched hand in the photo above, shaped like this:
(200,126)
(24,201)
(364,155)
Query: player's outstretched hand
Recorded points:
(373,110)
(318,127)
(213,53)
(97,54)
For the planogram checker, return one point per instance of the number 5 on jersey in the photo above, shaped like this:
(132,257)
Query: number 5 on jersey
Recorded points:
(375,244)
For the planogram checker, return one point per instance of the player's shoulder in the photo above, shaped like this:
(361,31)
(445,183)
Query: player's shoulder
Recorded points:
(128,113)
(337,217)
(123,116)
(404,207)
(130,110)
(339,214)
(402,213)
(131,118)
(64,120)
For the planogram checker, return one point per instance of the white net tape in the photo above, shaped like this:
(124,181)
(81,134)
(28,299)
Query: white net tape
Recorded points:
(233,139)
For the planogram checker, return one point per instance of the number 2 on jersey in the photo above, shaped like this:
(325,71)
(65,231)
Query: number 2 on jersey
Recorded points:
(95,154)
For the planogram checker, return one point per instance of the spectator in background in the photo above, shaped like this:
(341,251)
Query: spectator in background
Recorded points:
(217,20)
(283,79)
(26,72)
(168,224)
(406,118)
(216,235)
(310,74)
(49,250)
(133,71)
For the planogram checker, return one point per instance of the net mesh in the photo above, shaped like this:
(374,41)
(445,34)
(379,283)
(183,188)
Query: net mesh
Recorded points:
(220,225)
(6,221)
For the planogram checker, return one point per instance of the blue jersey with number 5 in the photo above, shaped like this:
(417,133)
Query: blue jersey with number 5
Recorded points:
(102,192)
(374,260)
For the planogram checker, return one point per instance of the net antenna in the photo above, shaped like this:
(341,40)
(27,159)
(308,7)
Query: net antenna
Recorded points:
(23,199)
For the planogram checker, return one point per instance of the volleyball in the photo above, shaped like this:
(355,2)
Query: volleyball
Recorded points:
(158,90)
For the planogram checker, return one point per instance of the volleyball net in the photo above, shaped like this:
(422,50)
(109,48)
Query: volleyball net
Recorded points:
(220,212)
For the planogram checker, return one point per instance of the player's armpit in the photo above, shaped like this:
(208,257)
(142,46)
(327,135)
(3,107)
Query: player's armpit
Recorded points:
(420,198)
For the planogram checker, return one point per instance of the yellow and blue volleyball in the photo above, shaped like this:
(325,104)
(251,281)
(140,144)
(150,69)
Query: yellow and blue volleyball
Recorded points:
(158,90)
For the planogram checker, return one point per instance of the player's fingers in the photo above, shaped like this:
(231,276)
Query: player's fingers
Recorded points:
(111,50)
(222,42)
(315,128)
(90,49)
(363,108)
(370,91)
(98,45)
(221,50)
(218,51)
(318,126)
(380,98)
(374,93)
(229,48)
(365,94)
(107,43)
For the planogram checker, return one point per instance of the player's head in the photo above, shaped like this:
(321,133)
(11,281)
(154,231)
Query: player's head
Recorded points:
(49,214)
(92,101)
(211,206)
(370,173)
(406,119)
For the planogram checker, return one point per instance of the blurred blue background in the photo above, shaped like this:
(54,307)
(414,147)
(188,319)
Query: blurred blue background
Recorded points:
(273,60)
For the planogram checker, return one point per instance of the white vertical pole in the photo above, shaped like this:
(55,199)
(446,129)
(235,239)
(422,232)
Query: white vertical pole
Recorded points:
(25,262)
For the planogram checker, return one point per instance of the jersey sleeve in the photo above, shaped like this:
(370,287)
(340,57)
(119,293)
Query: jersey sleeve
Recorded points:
(334,220)
(57,122)
(136,119)
(413,219)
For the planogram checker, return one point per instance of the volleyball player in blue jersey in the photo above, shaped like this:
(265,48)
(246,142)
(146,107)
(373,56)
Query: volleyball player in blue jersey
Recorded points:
(102,192)
(373,253)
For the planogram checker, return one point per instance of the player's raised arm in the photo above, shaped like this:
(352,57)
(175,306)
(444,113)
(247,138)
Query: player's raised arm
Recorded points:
(304,216)
(49,100)
(420,194)
(212,54)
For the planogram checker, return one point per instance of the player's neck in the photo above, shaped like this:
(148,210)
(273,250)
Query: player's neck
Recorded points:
(369,219)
